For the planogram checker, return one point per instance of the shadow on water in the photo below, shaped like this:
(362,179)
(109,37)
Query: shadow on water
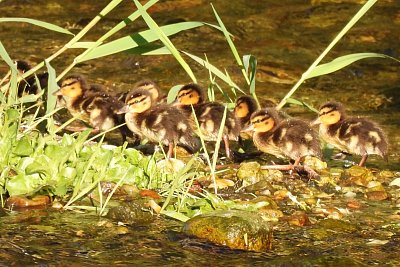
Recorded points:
(285,36)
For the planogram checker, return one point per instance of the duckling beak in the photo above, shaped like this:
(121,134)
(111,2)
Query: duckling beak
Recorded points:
(58,92)
(248,129)
(124,109)
(316,122)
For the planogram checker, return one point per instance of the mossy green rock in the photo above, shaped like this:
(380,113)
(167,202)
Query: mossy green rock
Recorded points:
(130,212)
(233,228)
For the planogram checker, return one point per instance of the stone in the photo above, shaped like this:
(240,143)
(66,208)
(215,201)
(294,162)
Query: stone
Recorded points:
(235,229)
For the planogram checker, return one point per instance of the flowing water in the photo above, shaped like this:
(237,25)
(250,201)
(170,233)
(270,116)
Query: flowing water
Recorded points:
(286,37)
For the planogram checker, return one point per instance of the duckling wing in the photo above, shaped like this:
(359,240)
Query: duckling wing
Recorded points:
(297,139)
(210,116)
(363,136)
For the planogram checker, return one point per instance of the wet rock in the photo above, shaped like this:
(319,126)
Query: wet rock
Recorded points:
(262,187)
(248,173)
(299,218)
(233,228)
(122,191)
(337,226)
(360,175)
(377,195)
(16,202)
(130,212)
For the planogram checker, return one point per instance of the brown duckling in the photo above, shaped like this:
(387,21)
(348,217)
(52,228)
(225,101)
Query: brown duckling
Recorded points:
(244,107)
(291,138)
(29,85)
(209,115)
(90,103)
(149,85)
(160,123)
(353,135)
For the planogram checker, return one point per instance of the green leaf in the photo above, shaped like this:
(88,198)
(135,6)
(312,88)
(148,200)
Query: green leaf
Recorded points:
(301,103)
(230,43)
(173,92)
(22,184)
(138,39)
(52,86)
(85,45)
(250,65)
(23,147)
(4,55)
(175,215)
(343,61)
(39,23)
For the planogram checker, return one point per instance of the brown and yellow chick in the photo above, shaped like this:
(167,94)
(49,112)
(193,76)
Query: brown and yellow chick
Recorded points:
(209,115)
(89,103)
(291,138)
(156,95)
(161,123)
(353,135)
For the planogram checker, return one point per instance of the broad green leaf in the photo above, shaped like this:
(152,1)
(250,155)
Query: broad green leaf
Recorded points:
(343,61)
(24,184)
(175,215)
(164,39)
(39,23)
(173,92)
(149,50)
(138,39)
(23,147)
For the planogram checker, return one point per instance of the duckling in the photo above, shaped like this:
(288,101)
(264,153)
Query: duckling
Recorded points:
(29,85)
(149,85)
(160,123)
(90,103)
(244,107)
(209,115)
(353,135)
(291,138)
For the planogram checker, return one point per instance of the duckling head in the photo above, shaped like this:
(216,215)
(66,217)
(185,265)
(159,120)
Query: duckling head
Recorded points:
(23,66)
(149,86)
(245,106)
(73,86)
(264,120)
(190,94)
(138,101)
(330,113)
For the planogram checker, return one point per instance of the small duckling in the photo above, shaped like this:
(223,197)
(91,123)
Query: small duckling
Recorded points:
(209,115)
(244,107)
(161,123)
(29,84)
(291,138)
(353,135)
(90,103)
(149,85)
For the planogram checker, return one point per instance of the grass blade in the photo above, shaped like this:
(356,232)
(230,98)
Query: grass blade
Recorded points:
(214,70)
(164,38)
(137,40)
(231,44)
(39,23)
(348,26)
(343,61)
